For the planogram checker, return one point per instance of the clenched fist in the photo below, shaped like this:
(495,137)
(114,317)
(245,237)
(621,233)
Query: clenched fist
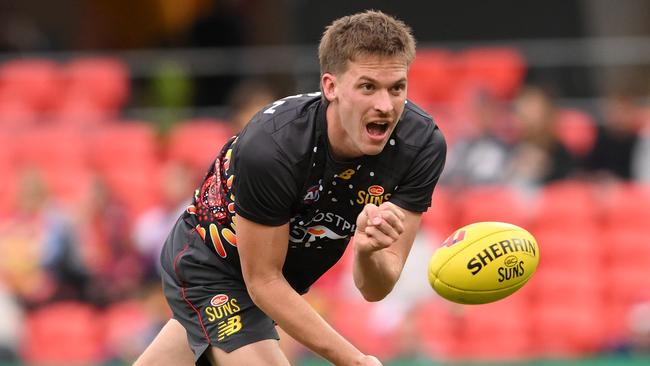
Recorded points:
(378,227)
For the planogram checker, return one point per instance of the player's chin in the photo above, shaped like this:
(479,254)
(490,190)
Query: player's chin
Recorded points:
(373,149)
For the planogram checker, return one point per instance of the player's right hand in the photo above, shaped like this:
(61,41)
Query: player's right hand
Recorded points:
(378,227)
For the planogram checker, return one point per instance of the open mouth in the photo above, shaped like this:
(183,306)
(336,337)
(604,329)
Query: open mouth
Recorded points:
(377,129)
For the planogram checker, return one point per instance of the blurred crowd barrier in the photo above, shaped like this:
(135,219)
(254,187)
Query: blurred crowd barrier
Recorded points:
(87,199)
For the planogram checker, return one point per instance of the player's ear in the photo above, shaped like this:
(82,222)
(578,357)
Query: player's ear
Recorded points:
(328,85)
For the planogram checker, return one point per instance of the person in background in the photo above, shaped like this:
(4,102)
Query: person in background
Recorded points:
(40,262)
(481,157)
(246,99)
(612,155)
(114,267)
(152,226)
(538,157)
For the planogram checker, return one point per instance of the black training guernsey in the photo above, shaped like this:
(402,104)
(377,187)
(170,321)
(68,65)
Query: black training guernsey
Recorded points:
(279,170)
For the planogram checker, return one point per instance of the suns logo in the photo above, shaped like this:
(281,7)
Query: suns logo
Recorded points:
(374,194)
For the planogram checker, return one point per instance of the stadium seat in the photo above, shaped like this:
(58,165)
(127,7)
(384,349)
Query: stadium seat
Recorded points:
(570,247)
(125,154)
(626,247)
(65,333)
(561,331)
(51,147)
(440,325)
(492,204)
(37,82)
(576,130)
(627,205)
(357,321)
(431,77)
(123,145)
(625,285)
(499,70)
(16,114)
(566,205)
(497,331)
(102,81)
(441,217)
(197,142)
(559,286)
(127,328)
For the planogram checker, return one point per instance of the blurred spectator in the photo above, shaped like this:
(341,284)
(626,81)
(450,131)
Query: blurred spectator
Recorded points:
(641,152)
(152,227)
(114,266)
(10,326)
(617,138)
(40,261)
(246,99)
(538,157)
(481,157)
(639,328)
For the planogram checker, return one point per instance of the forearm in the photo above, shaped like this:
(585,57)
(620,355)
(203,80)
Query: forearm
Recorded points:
(375,273)
(295,316)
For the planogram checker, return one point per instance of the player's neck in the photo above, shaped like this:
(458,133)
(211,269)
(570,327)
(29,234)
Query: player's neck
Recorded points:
(338,141)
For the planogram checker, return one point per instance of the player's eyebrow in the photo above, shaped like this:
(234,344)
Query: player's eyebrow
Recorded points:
(368,78)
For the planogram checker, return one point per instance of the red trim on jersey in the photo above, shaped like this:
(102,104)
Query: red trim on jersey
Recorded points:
(198,313)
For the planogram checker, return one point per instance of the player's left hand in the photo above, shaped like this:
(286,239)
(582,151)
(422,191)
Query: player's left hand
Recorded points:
(378,227)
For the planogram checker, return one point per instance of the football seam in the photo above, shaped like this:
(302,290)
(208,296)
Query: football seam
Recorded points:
(485,291)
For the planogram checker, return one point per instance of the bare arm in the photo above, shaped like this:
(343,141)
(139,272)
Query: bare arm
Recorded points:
(262,251)
(382,243)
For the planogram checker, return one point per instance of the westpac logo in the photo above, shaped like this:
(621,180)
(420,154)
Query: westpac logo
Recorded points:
(322,226)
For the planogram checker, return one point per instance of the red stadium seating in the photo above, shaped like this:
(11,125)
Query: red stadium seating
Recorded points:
(567,205)
(37,82)
(441,217)
(126,328)
(431,77)
(566,331)
(16,114)
(497,331)
(124,144)
(197,142)
(67,333)
(440,326)
(126,156)
(355,320)
(499,70)
(103,82)
(627,205)
(492,204)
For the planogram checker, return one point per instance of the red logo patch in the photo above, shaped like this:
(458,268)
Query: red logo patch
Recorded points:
(219,300)
(454,238)
(376,190)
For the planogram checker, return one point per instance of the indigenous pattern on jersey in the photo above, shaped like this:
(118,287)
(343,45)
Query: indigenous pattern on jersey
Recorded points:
(279,170)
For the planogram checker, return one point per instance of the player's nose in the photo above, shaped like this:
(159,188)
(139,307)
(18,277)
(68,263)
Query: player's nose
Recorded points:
(383,102)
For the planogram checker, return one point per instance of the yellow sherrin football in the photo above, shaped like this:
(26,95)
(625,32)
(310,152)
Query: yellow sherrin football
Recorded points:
(483,262)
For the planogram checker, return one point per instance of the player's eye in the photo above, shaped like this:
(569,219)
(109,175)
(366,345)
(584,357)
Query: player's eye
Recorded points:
(367,87)
(398,88)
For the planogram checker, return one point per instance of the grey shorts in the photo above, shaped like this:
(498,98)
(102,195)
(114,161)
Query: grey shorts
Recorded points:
(208,296)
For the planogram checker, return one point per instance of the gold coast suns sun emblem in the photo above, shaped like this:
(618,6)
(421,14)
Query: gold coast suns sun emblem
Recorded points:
(375,194)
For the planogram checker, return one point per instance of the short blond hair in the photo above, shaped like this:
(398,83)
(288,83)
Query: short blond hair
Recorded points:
(367,33)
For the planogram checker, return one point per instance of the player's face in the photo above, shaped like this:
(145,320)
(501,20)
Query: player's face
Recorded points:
(366,102)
